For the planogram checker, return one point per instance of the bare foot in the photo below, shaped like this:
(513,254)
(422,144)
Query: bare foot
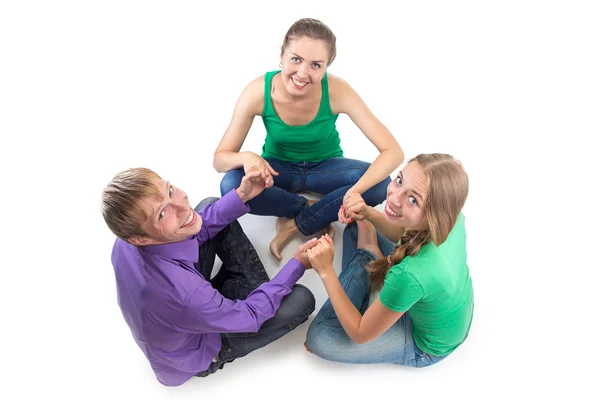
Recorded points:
(330,230)
(367,238)
(286,228)
(311,202)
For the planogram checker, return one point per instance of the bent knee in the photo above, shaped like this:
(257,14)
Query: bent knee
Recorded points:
(205,202)
(231,180)
(301,300)
(378,193)
(318,340)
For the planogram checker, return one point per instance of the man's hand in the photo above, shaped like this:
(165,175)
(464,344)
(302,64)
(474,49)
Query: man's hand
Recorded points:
(251,186)
(301,255)
(321,256)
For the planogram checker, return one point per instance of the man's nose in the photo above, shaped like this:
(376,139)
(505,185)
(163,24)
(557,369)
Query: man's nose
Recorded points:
(180,206)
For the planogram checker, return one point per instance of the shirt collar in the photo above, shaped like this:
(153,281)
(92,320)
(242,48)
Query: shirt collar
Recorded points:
(186,249)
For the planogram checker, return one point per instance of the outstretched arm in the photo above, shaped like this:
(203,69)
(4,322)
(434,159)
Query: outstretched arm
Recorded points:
(231,206)
(227,155)
(360,328)
(345,100)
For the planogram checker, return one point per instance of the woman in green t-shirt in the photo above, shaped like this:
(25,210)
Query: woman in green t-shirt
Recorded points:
(299,106)
(425,303)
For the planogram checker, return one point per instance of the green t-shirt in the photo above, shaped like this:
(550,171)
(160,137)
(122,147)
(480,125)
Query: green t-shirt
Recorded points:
(316,141)
(436,289)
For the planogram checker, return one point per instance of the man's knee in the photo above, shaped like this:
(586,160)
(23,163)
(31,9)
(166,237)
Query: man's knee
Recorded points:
(231,180)
(300,301)
(205,202)
(297,305)
(294,309)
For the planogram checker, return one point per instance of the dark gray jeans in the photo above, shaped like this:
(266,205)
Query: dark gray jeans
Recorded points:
(241,273)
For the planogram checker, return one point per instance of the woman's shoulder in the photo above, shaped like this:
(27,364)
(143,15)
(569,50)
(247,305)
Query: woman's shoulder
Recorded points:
(252,96)
(335,83)
(256,85)
(342,96)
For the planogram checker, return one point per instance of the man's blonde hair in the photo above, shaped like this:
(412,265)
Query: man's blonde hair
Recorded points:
(121,201)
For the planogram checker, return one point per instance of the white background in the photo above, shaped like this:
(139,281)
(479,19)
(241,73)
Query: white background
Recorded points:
(511,88)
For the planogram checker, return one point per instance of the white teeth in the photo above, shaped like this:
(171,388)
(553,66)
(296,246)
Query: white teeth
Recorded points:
(390,211)
(298,83)
(190,218)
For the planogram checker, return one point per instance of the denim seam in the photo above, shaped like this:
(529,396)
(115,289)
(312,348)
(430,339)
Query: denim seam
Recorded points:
(330,171)
(292,196)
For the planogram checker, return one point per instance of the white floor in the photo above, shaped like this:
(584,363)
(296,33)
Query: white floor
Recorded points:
(510,88)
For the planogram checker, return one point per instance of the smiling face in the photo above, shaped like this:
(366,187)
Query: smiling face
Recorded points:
(303,64)
(170,218)
(407,196)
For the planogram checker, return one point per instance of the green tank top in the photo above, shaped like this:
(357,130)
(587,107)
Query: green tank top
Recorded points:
(315,141)
(436,289)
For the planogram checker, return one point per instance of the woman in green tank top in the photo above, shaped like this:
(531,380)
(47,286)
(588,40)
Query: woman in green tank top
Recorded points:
(425,306)
(299,106)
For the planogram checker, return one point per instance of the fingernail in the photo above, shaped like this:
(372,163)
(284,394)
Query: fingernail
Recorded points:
(351,220)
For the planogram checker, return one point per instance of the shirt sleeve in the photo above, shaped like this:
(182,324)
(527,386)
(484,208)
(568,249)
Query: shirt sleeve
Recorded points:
(400,290)
(207,311)
(217,215)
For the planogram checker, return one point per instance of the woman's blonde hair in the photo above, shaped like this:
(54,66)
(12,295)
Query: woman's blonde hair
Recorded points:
(447,190)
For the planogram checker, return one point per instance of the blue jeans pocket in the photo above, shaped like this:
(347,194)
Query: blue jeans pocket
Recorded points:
(424,360)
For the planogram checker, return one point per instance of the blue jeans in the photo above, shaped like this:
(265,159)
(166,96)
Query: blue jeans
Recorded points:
(241,273)
(327,338)
(331,178)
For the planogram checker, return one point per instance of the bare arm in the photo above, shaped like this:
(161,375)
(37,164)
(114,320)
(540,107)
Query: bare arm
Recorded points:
(345,100)
(360,328)
(250,103)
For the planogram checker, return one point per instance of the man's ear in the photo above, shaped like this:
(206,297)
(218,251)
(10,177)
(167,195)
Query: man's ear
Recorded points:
(140,241)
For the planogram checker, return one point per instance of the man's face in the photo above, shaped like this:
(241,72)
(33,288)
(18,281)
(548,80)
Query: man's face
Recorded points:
(170,218)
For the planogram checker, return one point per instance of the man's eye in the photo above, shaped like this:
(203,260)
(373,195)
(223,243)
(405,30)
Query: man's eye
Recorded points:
(171,190)
(161,215)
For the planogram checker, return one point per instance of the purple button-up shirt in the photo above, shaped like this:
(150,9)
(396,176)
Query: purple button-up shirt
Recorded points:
(175,315)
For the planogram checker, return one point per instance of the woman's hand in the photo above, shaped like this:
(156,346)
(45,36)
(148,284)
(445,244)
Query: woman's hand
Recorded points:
(321,256)
(354,208)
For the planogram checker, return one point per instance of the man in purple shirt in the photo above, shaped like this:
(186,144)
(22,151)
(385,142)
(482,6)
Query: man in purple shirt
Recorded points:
(186,321)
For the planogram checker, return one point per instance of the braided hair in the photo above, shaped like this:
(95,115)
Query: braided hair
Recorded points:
(447,189)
